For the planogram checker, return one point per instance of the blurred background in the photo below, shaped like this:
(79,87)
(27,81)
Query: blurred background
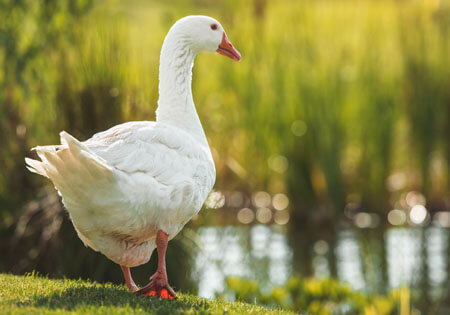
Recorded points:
(331,140)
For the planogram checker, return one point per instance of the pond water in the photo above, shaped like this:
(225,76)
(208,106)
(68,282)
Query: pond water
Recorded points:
(415,257)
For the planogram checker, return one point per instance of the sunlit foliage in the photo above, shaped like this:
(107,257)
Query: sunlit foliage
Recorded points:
(320,296)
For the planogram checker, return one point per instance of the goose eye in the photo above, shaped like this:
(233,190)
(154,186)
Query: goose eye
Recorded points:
(214,27)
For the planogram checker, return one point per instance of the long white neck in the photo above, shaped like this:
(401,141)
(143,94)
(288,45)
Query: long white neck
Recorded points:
(175,104)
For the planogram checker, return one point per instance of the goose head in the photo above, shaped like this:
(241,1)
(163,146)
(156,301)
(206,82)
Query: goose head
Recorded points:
(205,34)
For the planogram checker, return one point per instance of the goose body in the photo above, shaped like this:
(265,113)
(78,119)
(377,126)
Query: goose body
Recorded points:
(137,183)
(126,183)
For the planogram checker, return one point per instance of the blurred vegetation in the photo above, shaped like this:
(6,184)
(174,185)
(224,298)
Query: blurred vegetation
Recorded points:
(320,296)
(335,103)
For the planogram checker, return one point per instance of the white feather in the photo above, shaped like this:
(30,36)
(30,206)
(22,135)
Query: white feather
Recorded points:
(123,185)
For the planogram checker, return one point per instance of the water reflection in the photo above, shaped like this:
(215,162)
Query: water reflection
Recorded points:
(413,255)
(437,260)
(403,255)
(257,252)
(349,264)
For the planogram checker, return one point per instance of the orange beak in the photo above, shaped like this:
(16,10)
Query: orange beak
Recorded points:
(227,49)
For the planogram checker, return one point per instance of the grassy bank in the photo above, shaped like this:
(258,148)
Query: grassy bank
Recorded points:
(34,294)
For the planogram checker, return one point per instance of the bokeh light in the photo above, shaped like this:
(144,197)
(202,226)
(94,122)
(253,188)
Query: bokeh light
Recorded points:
(415,198)
(261,199)
(396,182)
(396,217)
(264,215)
(246,216)
(280,201)
(299,128)
(281,217)
(418,214)
(21,130)
(278,163)
(215,200)
(363,220)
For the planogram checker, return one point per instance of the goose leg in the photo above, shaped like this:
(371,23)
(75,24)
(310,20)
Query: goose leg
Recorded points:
(158,286)
(128,279)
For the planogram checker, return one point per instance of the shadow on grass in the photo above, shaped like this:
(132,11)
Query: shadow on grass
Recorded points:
(78,298)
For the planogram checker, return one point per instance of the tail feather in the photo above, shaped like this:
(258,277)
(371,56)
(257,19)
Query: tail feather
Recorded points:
(71,166)
(35,167)
(74,145)
(89,191)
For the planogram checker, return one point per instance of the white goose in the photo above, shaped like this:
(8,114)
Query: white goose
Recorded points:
(133,187)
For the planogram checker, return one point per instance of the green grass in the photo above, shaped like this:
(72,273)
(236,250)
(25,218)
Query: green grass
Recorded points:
(35,294)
